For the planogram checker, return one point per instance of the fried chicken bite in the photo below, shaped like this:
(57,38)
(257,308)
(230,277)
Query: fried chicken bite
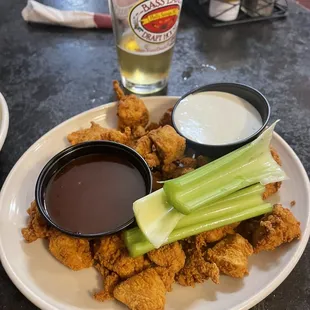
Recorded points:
(143,146)
(231,255)
(144,291)
(152,160)
(72,252)
(109,283)
(94,133)
(215,234)
(139,132)
(37,227)
(131,110)
(272,188)
(113,255)
(201,161)
(169,145)
(167,276)
(166,118)
(188,162)
(197,270)
(170,256)
(278,227)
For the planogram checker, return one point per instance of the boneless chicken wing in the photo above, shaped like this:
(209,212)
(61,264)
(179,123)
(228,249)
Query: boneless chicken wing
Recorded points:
(131,110)
(144,291)
(74,253)
(37,226)
(169,145)
(113,255)
(170,256)
(110,281)
(231,255)
(278,227)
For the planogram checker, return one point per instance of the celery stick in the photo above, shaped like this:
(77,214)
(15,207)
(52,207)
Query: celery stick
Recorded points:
(238,201)
(248,165)
(155,217)
(138,245)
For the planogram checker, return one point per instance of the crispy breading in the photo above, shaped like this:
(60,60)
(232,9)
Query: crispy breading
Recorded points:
(197,270)
(231,255)
(118,91)
(131,110)
(271,189)
(168,170)
(169,145)
(113,255)
(93,133)
(170,256)
(152,160)
(275,156)
(144,291)
(215,234)
(96,132)
(157,176)
(188,162)
(166,118)
(37,226)
(109,284)
(278,227)
(167,276)
(152,126)
(143,146)
(139,132)
(247,227)
(72,252)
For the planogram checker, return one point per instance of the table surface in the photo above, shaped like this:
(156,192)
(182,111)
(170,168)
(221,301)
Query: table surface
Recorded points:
(48,74)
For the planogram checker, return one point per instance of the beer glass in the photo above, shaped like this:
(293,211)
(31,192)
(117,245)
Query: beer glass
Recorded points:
(145,33)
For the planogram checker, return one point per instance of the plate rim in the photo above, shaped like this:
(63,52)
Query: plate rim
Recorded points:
(4,120)
(39,302)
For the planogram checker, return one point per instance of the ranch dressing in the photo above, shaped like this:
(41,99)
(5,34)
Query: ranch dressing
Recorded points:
(216,118)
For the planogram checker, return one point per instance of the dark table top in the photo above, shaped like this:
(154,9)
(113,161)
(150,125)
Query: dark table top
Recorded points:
(48,74)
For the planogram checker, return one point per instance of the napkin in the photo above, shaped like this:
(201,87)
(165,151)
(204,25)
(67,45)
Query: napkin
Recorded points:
(39,13)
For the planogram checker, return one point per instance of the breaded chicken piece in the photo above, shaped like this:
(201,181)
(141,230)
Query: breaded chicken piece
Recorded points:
(188,162)
(152,126)
(93,133)
(278,227)
(170,256)
(96,132)
(72,252)
(169,145)
(109,284)
(231,255)
(215,234)
(139,132)
(37,226)
(152,160)
(144,291)
(143,146)
(166,118)
(113,255)
(197,270)
(272,188)
(131,110)
(167,276)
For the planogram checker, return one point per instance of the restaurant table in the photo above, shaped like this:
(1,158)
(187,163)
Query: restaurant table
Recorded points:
(48,74)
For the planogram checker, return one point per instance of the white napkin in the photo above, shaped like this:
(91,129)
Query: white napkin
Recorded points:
(38,13)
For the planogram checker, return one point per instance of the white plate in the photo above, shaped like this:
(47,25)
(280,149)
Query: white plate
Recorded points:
(4,120)
(50,285)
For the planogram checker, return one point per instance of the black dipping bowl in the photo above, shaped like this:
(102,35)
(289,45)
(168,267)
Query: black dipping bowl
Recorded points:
(245,92)
(76,151)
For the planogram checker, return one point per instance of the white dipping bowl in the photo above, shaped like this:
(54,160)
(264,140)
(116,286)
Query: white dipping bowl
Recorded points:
(4,120)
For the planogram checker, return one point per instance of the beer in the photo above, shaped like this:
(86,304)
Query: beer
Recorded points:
(145,34)
(143,69)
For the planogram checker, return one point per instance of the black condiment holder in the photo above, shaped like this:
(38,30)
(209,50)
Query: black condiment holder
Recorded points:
(201,10)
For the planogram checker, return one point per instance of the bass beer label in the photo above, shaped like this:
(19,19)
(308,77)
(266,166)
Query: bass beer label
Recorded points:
(156,21)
